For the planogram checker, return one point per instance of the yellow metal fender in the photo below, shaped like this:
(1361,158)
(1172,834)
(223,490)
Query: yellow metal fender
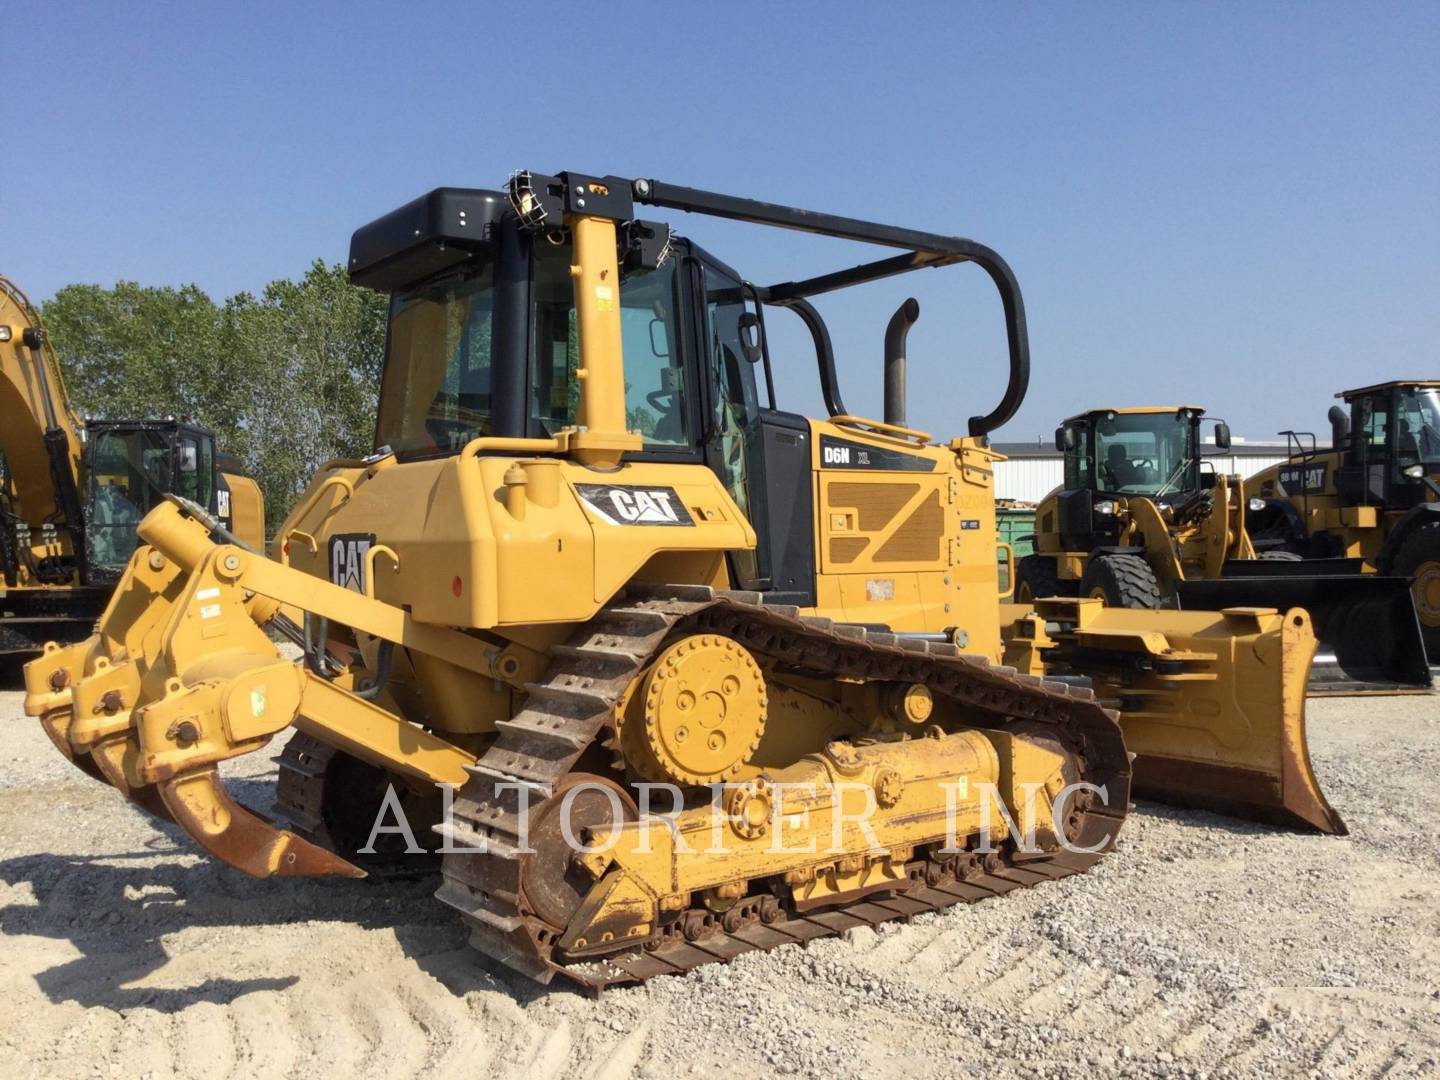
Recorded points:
(1211,703)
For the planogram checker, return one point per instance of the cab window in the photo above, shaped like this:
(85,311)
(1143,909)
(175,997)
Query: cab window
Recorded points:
(1417,428)
(1375,424)
(1077,461)
(736,406)
(654,379)
(128,476)
(435,393)
(655,391)
(194,469)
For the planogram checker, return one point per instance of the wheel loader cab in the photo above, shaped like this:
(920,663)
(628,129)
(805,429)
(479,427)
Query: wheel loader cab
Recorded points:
(1134,452)
(1114,453)
(1393,445)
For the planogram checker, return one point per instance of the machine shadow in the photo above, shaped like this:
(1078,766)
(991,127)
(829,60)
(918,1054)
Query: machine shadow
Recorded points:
(116,910)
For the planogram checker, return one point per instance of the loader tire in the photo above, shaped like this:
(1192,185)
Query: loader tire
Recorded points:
(1036,577)
(1419,560)
(1278,556)
(1121,581)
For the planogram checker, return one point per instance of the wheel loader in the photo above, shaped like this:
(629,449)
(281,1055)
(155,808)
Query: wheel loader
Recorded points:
(1144,520)
(72,492)
(592,561)
(1372,497)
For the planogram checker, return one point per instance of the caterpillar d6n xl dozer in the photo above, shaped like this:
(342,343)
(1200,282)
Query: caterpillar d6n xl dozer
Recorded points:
(1143,520)
(1373,498)
(586,559)
(72,493)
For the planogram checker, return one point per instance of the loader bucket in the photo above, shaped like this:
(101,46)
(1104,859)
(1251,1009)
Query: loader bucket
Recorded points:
(1369,635)
(1211,703)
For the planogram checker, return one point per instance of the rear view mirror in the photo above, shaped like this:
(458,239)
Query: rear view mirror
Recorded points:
(1222,435)
(659,339)
(750,342)
(1065,438)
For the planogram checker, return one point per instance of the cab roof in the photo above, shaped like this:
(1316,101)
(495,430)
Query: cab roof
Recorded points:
(1137,410)
(1419,384)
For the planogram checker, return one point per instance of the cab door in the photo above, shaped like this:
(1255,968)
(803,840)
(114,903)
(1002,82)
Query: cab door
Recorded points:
(761,454)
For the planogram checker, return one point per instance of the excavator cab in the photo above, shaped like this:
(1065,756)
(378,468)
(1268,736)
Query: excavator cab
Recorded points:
(130,467)
(73,492)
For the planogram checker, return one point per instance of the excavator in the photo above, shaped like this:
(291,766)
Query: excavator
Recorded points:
(1373,497)
(1144,520)
(73,492)
(658,672)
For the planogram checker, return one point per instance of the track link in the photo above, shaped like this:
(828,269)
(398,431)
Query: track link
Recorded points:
(568,710)
(320,784)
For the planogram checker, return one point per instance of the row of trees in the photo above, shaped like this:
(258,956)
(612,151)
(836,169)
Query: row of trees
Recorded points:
(286,380)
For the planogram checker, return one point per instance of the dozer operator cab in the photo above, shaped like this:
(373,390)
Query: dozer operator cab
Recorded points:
(484,343)
(130,466)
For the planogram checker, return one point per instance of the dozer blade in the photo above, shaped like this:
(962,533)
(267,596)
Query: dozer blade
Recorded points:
(1211,703)
(1369,635)
(241,838)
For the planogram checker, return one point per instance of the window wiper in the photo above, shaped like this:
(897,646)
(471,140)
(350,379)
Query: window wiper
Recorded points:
(1175,475)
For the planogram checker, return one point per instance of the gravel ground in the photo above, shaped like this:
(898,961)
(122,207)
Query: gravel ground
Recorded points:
(1205,947)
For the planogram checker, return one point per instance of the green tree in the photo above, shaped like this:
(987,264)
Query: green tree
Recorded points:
(286,380)
(139,352)
(309,353)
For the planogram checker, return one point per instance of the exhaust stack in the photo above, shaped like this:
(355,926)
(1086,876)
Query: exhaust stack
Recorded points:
(896,331)
(1339,427)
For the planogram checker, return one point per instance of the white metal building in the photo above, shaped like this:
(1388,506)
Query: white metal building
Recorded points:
(1034,469)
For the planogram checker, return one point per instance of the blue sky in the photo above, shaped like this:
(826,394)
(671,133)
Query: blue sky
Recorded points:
(1230,205)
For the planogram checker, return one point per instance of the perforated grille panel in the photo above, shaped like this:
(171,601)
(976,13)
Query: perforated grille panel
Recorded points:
(846,549)
(874,504)
(918,538)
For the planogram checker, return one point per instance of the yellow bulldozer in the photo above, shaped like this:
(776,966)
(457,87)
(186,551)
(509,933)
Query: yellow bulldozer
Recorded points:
(659,672)
(1144,520)
(1373,497)
(72,492)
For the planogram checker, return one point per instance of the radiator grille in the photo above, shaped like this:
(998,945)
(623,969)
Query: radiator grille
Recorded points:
(918,539)
(846,549)
(875,504)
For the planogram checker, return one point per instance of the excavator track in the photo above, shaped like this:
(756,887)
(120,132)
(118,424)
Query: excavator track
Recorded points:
(571,707)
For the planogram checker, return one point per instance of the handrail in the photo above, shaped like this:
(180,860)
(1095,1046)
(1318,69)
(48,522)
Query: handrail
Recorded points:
(879,427)
(370,555)
(299,513)
(556,444)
